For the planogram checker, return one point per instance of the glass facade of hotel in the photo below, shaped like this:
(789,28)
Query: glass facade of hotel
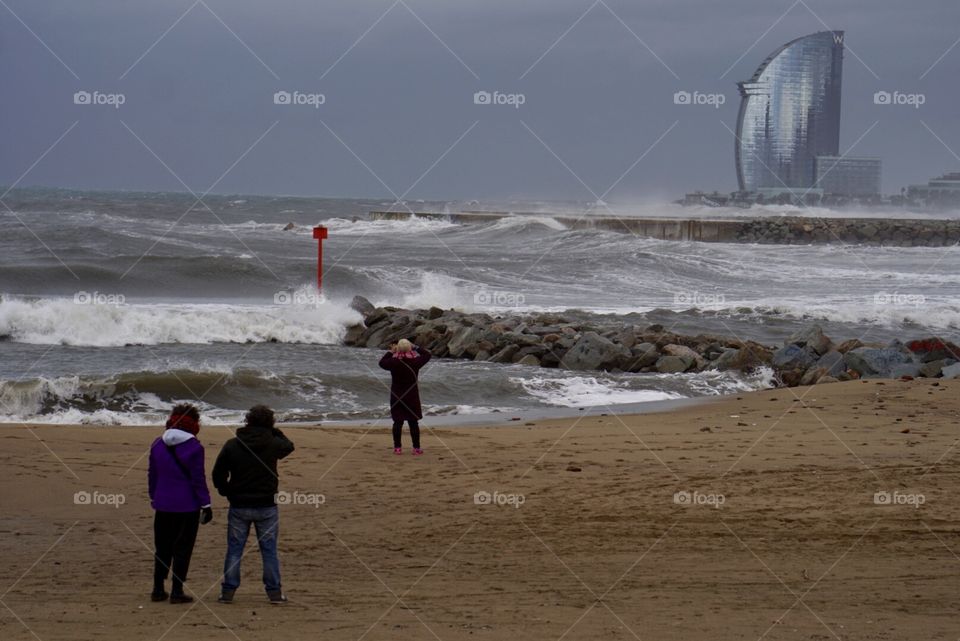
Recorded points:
(790,114)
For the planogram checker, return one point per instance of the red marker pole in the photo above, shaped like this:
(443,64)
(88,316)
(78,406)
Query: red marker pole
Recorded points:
(320,233)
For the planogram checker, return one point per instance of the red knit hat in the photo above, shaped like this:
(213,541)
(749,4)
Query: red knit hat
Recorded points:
(184,422)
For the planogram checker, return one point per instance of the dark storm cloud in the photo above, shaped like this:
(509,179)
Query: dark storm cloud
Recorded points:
(597,78)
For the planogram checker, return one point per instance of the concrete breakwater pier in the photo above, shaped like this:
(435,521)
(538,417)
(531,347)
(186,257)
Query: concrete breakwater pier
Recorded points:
(788,230)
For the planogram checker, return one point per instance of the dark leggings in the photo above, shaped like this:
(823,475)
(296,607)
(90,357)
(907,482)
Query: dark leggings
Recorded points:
(414,433)
(174,534)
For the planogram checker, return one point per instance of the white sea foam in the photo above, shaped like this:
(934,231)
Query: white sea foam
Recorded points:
(601,390)
(931,314)
(524,222)
(587,391)
(63,322)
(713,383)
(349,227)
(470,410)
(433,289)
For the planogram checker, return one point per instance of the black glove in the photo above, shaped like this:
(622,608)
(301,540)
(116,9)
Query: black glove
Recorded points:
(206,515)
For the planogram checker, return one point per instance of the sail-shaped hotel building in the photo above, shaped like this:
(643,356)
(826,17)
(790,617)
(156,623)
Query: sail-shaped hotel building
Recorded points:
(790,114)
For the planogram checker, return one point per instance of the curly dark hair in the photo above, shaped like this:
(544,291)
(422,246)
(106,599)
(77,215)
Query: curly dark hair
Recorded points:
(260,416)
(186,409)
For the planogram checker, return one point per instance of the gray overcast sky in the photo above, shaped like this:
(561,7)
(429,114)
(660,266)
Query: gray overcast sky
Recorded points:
(403,95)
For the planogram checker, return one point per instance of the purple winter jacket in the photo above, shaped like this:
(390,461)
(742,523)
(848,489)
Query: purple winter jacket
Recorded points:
(170,489)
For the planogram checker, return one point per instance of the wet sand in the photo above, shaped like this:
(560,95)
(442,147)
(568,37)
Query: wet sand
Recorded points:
(775,532)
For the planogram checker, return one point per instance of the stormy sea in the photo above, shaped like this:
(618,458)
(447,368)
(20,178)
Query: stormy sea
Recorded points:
(115,305)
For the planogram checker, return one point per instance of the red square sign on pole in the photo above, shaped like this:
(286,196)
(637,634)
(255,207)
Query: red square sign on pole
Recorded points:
(320,233)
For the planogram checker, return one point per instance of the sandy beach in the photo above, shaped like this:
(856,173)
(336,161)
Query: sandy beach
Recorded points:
(825,512)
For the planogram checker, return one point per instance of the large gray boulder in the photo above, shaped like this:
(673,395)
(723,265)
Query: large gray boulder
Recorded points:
(910,370)
(813,375)
(516,338)
(812,337)
(951,371)
(725,360)
(464,339)
(353,334)
(592,351)
(552,358)
(673,364)
(505,355)
(362,305)
(833,363)
(876,362)
(374,335)
(794,357)
(627,336)
(746,359)
(934,368)
(376,315)
(642,355)
(685,353)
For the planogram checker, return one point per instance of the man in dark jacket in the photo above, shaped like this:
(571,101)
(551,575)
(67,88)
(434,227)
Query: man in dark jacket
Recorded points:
(246,473)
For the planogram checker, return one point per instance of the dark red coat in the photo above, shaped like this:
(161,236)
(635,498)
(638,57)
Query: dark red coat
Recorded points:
(404,392)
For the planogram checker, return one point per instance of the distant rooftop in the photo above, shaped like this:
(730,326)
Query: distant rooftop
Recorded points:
(953,175)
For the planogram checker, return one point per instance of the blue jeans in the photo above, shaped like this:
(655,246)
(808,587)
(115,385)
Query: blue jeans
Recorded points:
(267,523)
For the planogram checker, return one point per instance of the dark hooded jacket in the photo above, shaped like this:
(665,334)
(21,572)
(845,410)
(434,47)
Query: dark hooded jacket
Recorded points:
(404,388)
(246,469)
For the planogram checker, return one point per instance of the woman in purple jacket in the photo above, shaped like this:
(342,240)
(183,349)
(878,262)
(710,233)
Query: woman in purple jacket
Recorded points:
(179,494)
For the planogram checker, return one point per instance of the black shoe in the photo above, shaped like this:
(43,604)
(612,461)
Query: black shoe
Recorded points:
(226,596)
(180,598)
(276,597)
(158,596)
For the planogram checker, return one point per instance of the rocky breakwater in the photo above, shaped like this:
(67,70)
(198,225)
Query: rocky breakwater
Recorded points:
(854,231)
(551,340)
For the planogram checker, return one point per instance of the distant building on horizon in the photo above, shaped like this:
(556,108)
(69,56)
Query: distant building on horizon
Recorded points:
(855,176)
(790,114)
(940,191)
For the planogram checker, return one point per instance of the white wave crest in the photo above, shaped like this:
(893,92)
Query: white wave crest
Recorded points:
(64,322)
(434,289)
(587,391)
(349,227)
(526,221)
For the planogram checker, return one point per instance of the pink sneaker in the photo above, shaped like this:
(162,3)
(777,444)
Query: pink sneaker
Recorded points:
(417,451)
(398,450)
